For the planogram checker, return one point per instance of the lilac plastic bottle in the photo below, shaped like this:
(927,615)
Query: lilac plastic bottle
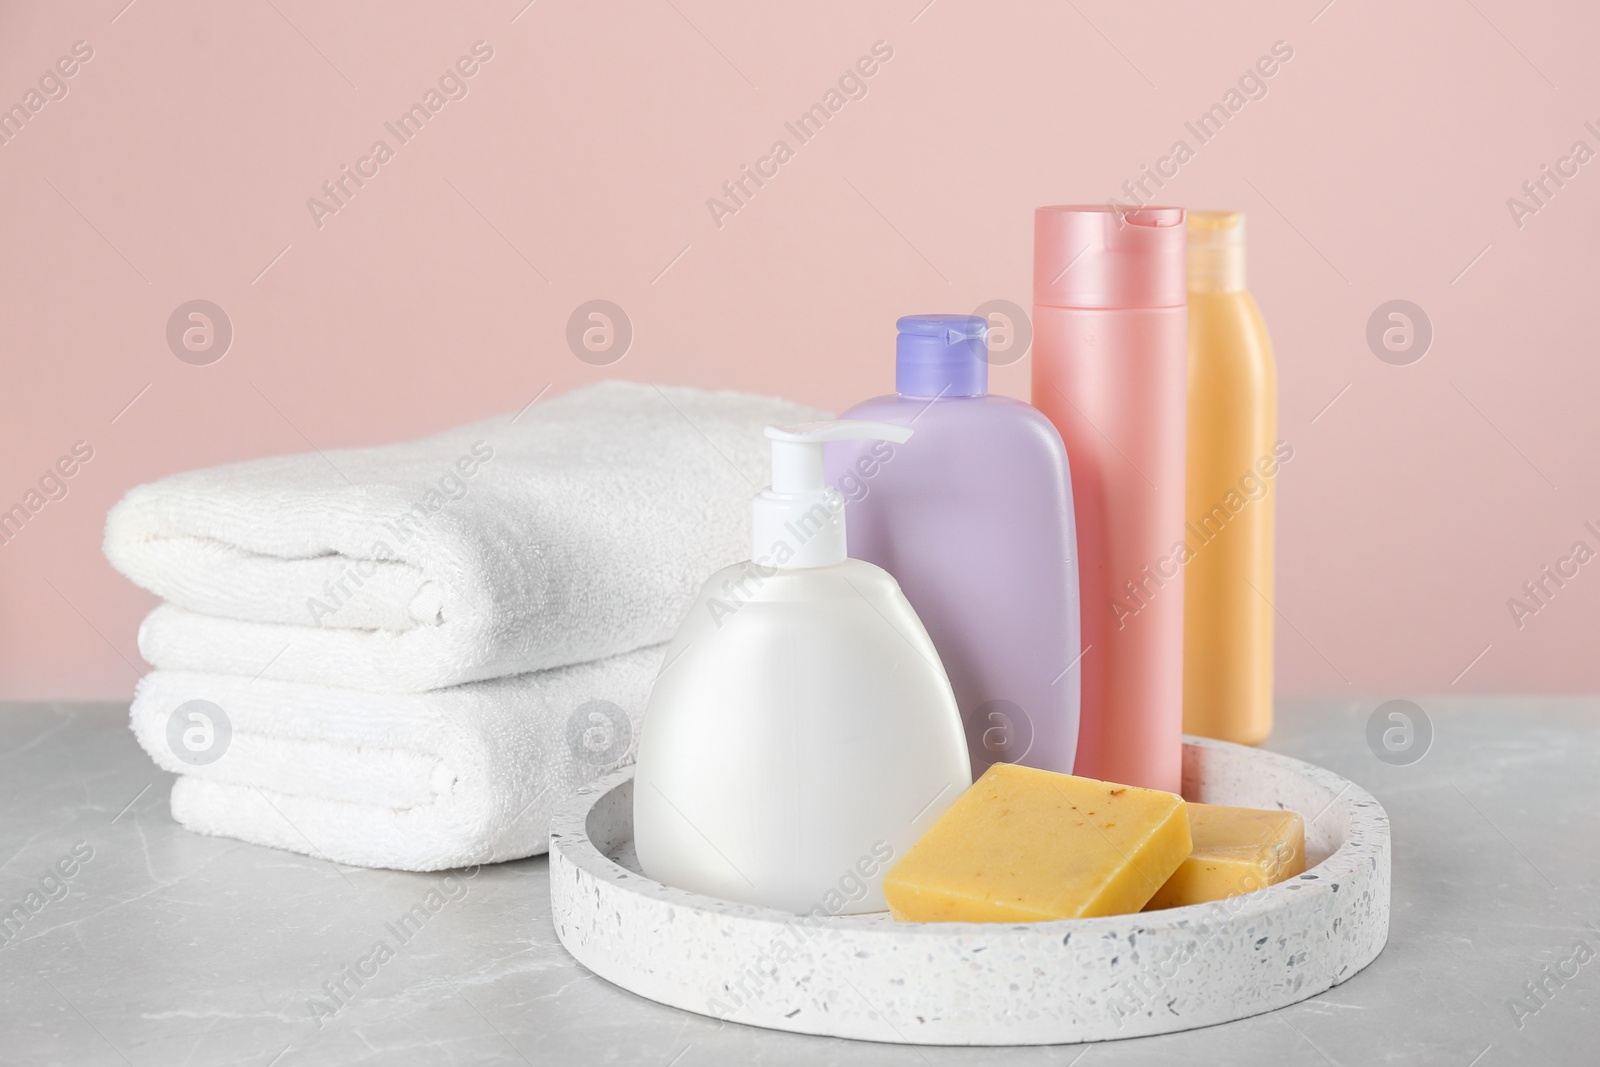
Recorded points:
(973,516)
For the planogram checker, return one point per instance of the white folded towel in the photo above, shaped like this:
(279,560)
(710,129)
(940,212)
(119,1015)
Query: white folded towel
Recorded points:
(417,782)
(580,529)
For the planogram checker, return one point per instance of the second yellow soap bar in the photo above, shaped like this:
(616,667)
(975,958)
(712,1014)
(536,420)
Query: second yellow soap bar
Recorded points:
(1236,850)
(1025,845)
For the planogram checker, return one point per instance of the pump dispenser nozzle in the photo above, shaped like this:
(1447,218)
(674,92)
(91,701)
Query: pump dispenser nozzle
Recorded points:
(798,521)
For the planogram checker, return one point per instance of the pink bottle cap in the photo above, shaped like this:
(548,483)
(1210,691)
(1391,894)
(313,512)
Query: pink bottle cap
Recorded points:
(1099,256)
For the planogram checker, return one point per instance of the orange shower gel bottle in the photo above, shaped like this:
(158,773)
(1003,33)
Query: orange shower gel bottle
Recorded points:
(1110,356)
(1233,417)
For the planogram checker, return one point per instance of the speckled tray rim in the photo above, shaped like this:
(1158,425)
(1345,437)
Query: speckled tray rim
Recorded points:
(1360,862)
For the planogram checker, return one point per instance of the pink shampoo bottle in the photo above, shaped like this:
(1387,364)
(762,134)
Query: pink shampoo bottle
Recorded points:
(973,517)
(1110,369)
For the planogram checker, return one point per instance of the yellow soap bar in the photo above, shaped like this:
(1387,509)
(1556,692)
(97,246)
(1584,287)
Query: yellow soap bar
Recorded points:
(1024,845)
(1236,850)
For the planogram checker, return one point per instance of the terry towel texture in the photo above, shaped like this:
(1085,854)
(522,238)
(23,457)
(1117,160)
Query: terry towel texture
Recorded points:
(578,531)
(417,782)
(416,651)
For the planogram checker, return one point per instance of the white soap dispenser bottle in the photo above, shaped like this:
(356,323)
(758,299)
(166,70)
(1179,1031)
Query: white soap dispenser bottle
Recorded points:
(802,733)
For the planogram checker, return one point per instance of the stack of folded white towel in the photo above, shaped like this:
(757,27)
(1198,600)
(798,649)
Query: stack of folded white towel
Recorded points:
(419,649)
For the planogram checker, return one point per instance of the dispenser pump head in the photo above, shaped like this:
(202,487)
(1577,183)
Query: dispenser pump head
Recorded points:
(798,521)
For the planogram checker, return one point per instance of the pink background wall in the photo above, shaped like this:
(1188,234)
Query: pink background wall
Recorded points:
(1378,166)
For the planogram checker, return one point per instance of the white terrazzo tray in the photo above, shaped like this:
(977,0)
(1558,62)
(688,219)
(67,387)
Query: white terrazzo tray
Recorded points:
(868,977)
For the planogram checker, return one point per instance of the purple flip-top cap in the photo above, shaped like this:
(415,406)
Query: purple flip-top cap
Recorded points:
(942,355)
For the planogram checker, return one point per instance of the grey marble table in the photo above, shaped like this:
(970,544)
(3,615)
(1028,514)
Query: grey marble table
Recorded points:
(165,948)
